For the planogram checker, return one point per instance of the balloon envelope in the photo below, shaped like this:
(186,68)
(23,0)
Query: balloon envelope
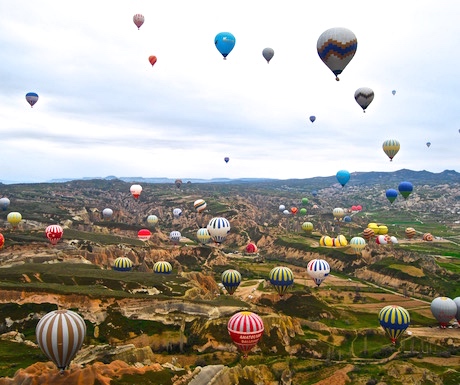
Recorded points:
(231,279)
(391,195)
(268,53)
(2,240)
(312,118)
(203,235)
(152,219)
(162,267)
(175,236)
(364,96)
(245,329)
(54,233)
(14,218)
(336,47)
(343,176)
(318,270)
(281,278)
(391,148)
(138,19)
(224,42)
(152,60)
(122,264)
(31,98)
(357,243)
(4,203)
(199,205)
(226,159)
(107,213)
(136,190)
(218,228)
(144,234)
(444,310)
(60,335)
(405,189)
(394,320)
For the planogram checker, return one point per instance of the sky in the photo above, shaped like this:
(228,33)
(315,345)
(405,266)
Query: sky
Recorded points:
(104,110)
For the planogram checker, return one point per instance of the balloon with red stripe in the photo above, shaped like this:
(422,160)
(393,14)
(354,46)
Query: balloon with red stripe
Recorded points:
(54,233)
(245,329)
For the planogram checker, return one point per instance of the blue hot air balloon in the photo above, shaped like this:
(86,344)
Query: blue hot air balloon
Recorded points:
(343,176)
(312,118)
(31,98)
(391,194)
(281,278)
(394,320)
(405,188)
(224,42)
(226,159)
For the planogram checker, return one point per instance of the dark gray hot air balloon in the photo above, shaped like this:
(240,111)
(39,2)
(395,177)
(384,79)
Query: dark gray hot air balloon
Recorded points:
(268,53)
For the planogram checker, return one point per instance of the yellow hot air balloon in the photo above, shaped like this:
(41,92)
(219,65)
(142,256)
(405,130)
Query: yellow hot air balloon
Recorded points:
(391,148)
(14,218)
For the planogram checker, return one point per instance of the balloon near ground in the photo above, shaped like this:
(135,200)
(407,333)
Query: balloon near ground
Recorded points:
(2,240)
(318,270)
(391,148)
(281,278)
(368,233)
(394,320)
(410,232)
(231,279)
(54,233)
(428,237)
(144,234)
(444,310)
(336,47)
(162,267)
(152,220)
(60,335)
(177,213)
(307,227)
(122,264)
(251,248)
(175,236)
(364,97)
(245,329)
(224,42)
(357,244)
(107,213)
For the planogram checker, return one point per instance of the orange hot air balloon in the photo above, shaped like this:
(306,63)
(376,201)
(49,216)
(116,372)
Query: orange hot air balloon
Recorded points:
(368,233)
(410,232)
(294,210)
(152,60)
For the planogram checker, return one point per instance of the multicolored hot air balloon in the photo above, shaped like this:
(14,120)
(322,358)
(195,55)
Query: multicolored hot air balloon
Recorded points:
(428,237)
(122,264)
(224,42)
(138,19)
(54,233)
(338,213)
(444,309)
(245,329)
(14,218)
(368,233)
(4,203)
(364,96)
(218,229)
(152,220)
(144,234)
(343,176)
(136,190)
(60,335)
(2,240)
(405,189)
(152,60)
(175,236)
(31,98)
(394,320)
(231,279)
(391,194)
(281,278)
(107,213)
(268,53)
(410,232)
(162,267)
(336,47)
(391,148)
(318,270)
(199,205)
(203,235)
(357,244)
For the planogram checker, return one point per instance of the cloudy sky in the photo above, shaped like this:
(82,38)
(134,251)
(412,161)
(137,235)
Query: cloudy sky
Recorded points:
(104,110)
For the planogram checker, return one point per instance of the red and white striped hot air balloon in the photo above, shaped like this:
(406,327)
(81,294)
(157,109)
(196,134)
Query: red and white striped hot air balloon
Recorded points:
(54,233)
(245,329)
(60,335)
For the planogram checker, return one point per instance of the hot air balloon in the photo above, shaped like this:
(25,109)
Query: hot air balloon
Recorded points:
(391,194)
(54,233)
(2,240)
(175,236)
(136,190)
(231,279)
(357,244)
(245,329)
(178,183)
(314,193)
(410,232)
(364,96)
(60,335)
(251,248)
(368,233)
(405,189)
(162,267)
(393,92)
(428,237)
(281,278)
(457,302)
(382,239)
(294,210)
(4,203)
(177,213)
(218,228)
(444,310)
(200,205)
(268,53)
(343,176)
(338,213)
(304,201)
(144,234)
(303,211)
(307,227)
(318,270)
(14,218)
(224,42)
(393,239)
(336,47)
(428,144)
(138,19)
(394,320)
(122,264)
(312,118)
(152,220)
(286,212)
(226,159)
(152,60)
(31,98)
(203,235)
(107,213)
(282,208)
(340,240)
(347,219)
(391,148)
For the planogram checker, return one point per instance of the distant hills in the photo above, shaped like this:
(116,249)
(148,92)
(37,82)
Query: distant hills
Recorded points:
(357,178)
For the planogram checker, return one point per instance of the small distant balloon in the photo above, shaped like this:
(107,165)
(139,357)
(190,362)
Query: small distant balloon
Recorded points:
(312,118)
(428,144)
(31,98)
(224,42)
(107,213)
(135,190)
(4,203)
(393,92)
(138,19)
(364,96)
(226,159)
(405,189)
(152,60)
(391,194)
(268,53)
